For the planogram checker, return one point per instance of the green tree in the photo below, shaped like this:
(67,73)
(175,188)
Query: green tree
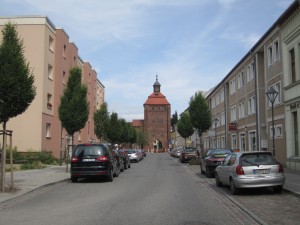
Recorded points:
(17,89)
(140,138)
(200,115)
(124,129)
(174,120)
(114,131)
(101,121)
(74,107)
(184,126)
(132,134)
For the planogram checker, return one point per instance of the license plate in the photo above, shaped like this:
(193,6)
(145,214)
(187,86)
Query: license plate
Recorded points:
(88,160)
(262,171)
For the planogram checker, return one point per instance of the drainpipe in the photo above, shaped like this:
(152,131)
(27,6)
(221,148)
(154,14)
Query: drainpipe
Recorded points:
(257,103)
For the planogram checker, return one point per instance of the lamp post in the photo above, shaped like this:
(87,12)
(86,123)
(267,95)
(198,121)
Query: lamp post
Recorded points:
(272,95)
(216,121)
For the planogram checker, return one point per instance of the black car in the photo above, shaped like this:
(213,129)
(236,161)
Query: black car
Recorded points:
(93,160)
(212,159)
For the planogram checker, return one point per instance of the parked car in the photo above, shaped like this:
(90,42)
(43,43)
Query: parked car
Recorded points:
(211,160)
(125,157)
(134,156)
(250,170)
(93,160)
(176,152)
(187,154)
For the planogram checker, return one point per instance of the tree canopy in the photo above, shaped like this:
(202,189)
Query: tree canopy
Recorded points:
(101,122)
(184,126)
(200,114)
(17,89)
(74,108)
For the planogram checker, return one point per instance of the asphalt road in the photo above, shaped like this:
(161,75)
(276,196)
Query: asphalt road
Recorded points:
(158,190)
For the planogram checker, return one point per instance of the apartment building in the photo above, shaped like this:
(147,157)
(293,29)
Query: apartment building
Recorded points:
(290,32)
(241,111)
(50,55)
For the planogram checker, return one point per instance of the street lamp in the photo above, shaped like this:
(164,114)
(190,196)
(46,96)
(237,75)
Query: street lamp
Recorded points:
(216,121)
(272,95)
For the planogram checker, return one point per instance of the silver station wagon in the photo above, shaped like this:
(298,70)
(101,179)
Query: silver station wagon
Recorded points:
(250,170)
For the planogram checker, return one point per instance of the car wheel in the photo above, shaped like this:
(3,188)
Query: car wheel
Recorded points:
(201,170)
(218,183)
(234,190)
(110,177)
(278,189)
(74,179)
(209,174)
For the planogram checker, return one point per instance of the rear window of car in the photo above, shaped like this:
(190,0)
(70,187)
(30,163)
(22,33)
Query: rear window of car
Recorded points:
(190,149)
(220,153)
(258,159)
(130,151)
(92,150)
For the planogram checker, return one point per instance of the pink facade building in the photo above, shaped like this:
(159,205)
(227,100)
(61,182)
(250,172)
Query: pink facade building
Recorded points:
(50,55)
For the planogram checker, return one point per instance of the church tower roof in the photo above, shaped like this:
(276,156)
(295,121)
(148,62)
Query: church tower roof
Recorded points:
(156,98)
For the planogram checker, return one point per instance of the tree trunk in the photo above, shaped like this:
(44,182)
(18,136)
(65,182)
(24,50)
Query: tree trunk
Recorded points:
(3,158)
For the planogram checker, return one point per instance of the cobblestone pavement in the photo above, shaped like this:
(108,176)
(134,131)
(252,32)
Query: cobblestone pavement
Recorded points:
(263,204)
(238,214)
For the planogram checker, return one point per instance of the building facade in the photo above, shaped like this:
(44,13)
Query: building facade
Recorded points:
(243,116)
(290,32)
(50,55)
(157,120)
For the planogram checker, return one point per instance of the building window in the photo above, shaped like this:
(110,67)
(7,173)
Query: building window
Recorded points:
(278,131)
(241,80)
(50,72)
(64,51)
(222,142)
(251,106)
(51,44)
(218,99)
(276,51)
(232,86)
(252,140)
(64,77)
(48,130)
(250,72)
(241,110)
(79,136)
(242,142)
(222,96)
(222,119)
(292,66)
(233,141)
(49,101)
(233,114)
(270,55)
(213,102)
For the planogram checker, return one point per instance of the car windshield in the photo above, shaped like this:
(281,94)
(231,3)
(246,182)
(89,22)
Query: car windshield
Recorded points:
(258,159)
(93,150)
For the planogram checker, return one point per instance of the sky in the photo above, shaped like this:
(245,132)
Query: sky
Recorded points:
(190,44)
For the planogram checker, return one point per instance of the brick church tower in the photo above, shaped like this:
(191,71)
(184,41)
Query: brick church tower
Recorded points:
(157,120)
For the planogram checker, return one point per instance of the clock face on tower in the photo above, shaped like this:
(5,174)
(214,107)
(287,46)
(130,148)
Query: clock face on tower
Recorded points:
(156,89)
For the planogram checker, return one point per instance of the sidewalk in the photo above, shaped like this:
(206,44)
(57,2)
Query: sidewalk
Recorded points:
(28,180)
